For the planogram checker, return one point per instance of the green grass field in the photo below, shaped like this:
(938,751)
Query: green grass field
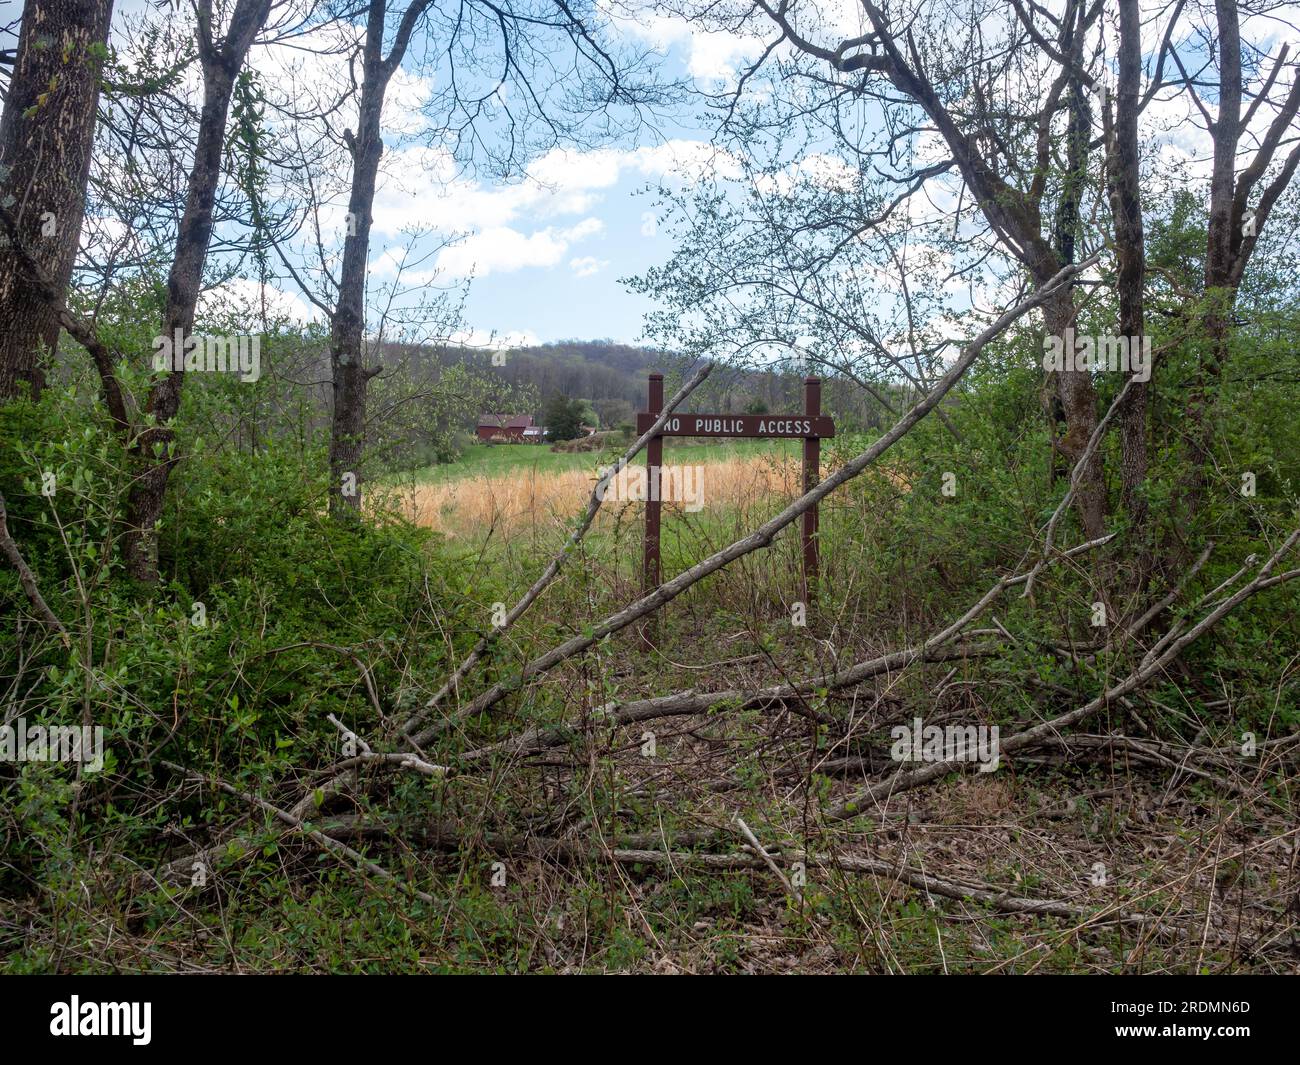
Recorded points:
(501,460)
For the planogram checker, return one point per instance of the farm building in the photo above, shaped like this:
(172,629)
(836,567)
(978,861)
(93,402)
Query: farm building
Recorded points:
(518,428)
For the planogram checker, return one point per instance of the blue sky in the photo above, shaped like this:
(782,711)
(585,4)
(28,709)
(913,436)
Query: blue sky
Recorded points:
(581,296)
(542,252)
(544,256)
(547,248)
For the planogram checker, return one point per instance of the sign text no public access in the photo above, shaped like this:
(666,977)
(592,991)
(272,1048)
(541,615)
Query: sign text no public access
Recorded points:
(793,426)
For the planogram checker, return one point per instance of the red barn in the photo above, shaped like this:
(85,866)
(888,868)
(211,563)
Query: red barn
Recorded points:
(516,428)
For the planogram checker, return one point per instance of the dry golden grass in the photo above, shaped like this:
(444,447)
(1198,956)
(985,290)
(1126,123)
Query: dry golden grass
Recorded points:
(532,501)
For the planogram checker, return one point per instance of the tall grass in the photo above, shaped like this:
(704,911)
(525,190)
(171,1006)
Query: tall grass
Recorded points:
(530,501)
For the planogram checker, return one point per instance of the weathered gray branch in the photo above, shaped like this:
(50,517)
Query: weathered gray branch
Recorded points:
(339,850)
(557,563)
(764,534)
(1148,669)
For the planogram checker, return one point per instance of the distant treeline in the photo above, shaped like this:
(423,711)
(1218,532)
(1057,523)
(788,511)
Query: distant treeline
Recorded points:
(613,376)
(425,403)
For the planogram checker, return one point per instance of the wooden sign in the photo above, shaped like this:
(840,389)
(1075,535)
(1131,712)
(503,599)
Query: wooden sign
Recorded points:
(775,426)
(810,426)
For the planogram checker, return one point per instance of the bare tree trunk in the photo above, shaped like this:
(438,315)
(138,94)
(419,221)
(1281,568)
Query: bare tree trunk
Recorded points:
(348,370)
(347,355)
(154,448)
(46,136)
(1126,207)
(1218,253)
(1073,388)
(1232,236)
(1078,401)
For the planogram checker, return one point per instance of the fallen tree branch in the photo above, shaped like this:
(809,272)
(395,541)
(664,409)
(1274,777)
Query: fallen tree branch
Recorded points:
(759,850)
(557,563)
(692,702)
(765,533)
(445,837)
(341,772)
(1141,751)
(935,649)
(636,849)
(1148,669)
(333,846)
(537,740)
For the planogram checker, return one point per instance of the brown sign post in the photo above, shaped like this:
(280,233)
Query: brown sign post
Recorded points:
(811,427)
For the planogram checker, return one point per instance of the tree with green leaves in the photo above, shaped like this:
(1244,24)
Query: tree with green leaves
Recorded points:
(563,418)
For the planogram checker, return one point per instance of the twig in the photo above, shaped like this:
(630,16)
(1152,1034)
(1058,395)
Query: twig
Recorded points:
(554,566)
(790,889)
(28,579)
(1148,669)
(336,848)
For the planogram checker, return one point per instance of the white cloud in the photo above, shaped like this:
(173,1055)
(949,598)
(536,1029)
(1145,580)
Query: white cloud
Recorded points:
(587,265)
(419,187)
(715,57)
(386,264)
(711,57)
(501,249)
(420,190)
